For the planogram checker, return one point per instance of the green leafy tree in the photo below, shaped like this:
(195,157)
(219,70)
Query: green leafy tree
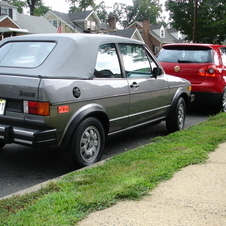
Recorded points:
(36,7)
(32,5)
(143,9)
(101,11)
(40,9)
(200,20)
(81,5)
(121,12)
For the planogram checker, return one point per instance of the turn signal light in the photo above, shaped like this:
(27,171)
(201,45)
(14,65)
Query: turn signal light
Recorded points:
(37,108)
(63,109)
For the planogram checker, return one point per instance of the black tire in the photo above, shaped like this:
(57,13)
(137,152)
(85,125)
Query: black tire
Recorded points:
(222,104)
(175,121)
(2,144)
(86,145)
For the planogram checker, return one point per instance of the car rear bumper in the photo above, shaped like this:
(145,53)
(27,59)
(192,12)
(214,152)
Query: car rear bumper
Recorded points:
(31,137)
(208,98)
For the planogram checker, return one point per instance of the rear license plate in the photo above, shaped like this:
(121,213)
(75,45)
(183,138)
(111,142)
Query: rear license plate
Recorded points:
(2,106)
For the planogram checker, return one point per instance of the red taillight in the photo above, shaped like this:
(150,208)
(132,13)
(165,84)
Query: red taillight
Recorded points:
(37,108)
(210,70)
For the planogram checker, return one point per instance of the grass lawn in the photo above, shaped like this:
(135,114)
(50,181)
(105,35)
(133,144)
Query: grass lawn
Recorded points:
(129,175)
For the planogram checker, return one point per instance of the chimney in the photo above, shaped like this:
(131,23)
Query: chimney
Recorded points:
(112,22)
(146,32)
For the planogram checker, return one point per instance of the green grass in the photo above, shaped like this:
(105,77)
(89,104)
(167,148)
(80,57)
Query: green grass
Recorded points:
(129,175)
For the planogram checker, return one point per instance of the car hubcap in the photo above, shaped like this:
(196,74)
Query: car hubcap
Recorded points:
(90,144)
(181,116)
(224,102)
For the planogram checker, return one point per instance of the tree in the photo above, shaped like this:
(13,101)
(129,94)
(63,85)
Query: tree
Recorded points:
(40,9)
(143,9)
(37,8)
(31,5)
(81,5)
(101,11)
(200,20)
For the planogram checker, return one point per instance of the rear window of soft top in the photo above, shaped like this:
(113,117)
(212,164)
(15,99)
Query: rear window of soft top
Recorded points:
(25,54)
(185,54)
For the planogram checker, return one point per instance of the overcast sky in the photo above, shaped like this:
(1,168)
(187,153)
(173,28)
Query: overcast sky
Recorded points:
(63,6)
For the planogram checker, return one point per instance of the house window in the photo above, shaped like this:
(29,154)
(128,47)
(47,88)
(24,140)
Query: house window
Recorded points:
(91,25)
(4,11)
(162,32)
(54,23)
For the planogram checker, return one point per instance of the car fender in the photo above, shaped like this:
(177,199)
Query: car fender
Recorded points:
(179,93)
(89,110)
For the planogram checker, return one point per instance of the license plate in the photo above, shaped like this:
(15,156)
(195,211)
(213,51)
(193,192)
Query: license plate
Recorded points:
(2,106)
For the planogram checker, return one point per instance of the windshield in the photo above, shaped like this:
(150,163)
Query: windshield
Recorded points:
(185,56)
(25,54)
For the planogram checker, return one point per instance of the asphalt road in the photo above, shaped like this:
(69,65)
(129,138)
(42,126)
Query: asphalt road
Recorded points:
(22,167)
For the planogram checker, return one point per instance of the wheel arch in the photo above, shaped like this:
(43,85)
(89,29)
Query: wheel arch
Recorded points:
(90,110)
(180,93)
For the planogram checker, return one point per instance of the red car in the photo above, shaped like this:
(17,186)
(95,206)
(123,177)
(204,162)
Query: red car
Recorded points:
(204,65)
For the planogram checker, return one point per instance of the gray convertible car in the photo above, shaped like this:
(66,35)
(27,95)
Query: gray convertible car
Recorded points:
(70,92)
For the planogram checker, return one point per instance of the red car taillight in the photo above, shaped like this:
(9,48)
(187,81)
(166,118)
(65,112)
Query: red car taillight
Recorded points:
(37,108)
(210,70)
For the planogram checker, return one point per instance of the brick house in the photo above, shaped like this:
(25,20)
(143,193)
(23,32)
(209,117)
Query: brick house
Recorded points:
(155,36)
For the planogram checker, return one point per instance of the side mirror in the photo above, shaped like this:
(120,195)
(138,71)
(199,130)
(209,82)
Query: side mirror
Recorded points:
(156,71)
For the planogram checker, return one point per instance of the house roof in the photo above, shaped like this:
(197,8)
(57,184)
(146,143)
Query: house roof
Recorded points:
(68,18)
(72,18)
(78,16)
(127,33)
(6,4)
(35,24)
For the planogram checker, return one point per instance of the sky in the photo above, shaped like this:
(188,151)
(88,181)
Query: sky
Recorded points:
(63,6)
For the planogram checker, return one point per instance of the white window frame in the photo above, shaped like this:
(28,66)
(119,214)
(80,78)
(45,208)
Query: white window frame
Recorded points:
(54,22)
(6,9)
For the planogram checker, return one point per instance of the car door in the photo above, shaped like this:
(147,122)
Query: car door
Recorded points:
(111,88)
(149,96)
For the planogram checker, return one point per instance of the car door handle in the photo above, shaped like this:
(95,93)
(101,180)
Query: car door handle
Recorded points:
(134,85)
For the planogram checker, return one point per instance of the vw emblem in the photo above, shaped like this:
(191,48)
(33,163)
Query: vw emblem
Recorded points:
(176,68)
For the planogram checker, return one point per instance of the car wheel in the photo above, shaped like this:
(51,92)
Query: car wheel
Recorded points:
(2,144)
(175,121)
(223,102)
(87,144)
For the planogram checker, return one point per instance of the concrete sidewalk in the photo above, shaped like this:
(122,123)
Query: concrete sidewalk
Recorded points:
(195,196)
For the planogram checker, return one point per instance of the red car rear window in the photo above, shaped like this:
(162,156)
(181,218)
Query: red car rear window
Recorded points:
(185,55)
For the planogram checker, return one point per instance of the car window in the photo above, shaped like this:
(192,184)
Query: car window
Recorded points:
(107,65)
(24,54)
(137,62)
(185,56)
(223,54)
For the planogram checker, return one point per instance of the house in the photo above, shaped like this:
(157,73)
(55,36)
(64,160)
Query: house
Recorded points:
(88,22)
(155,36)
(13,23)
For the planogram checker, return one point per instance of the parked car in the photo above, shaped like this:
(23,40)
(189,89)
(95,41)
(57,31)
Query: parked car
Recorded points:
(204,65)
(70,92)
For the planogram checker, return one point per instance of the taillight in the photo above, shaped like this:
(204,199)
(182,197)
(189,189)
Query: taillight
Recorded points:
(210,70)
(37,108)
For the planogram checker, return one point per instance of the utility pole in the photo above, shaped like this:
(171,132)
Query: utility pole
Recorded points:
(195,22)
